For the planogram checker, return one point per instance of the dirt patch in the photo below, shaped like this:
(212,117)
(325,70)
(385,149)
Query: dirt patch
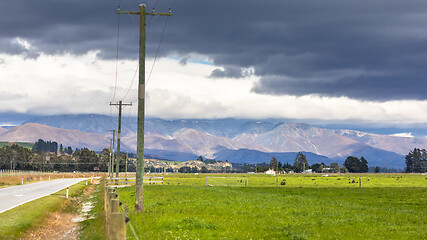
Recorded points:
(57,226)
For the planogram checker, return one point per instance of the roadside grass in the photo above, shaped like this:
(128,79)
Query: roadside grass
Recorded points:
(7,181)
(17,221)
(299,210)
(93,228)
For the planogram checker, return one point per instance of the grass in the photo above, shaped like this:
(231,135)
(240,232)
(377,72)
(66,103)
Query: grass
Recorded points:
(386,207)
(94,227)
(32,215)
(7,181)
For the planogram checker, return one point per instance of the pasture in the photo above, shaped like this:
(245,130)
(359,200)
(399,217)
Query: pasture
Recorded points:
(388,206)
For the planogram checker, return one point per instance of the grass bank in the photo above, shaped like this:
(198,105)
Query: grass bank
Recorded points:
(94,227)
(32,215)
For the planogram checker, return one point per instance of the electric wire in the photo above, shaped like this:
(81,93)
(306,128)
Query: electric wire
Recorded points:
(151,19)
(117,53)
(133,80)
(158,50)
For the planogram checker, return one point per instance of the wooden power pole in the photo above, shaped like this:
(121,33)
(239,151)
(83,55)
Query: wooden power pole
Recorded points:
(112,153)
(119,130)
(139,206)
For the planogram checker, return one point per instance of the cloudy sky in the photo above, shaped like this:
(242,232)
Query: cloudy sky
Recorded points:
(331,61)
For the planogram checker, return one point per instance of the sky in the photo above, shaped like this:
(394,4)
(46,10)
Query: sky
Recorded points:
(348,63)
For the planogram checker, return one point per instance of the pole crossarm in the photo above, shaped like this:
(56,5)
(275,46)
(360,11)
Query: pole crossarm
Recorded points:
(147,13)
(118,104)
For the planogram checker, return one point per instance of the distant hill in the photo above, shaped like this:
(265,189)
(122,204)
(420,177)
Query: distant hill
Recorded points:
(236,139)
(89,123)
(2,130)
(31,132)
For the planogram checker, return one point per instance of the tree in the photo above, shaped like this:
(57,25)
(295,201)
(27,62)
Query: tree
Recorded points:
(316,167)
(377,169)
(86,159)
(416,160)
(300,164)
(354,165)
(335,167)
(104,160)
(274,164)
(200,158)
(363,167)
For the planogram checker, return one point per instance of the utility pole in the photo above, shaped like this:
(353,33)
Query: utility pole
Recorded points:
(112,153)
(120,104)
(126,164)
(139,205)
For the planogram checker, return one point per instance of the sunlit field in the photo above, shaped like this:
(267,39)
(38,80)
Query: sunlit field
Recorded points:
(387,206)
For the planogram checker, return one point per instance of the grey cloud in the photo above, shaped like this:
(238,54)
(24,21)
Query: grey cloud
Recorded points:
(371,50)
(230,72)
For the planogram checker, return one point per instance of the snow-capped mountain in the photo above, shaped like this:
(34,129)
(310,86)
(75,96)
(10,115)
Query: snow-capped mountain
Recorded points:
(232,139)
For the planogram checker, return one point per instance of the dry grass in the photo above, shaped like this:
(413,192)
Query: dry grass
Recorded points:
(7,181)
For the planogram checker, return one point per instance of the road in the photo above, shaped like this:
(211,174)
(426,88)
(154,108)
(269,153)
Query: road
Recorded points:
(12,197)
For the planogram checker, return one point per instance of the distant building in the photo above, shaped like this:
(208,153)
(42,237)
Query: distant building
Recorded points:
(270,171)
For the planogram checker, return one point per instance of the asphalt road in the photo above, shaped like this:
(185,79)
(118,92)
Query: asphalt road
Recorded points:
(11,197)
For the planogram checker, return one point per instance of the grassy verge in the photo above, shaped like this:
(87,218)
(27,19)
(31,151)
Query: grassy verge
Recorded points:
(32,215)
(7,181)
(191,211)
(94,227)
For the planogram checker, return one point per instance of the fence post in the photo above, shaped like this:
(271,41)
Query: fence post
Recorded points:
(117,222)
(360,183)
(277,182)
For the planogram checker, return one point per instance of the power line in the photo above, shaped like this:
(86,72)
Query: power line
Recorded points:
(117,52)
(133,79)
(158,49)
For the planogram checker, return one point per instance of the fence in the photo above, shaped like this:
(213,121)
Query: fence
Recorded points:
(7,173)
(125,182)
(116,220)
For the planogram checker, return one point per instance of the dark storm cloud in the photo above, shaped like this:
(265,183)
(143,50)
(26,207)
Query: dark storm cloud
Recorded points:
(373,50)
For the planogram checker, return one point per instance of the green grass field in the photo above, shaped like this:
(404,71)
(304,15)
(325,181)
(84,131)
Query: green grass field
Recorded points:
(307,207)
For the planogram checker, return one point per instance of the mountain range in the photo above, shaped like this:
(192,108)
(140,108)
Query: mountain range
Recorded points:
(235,140)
